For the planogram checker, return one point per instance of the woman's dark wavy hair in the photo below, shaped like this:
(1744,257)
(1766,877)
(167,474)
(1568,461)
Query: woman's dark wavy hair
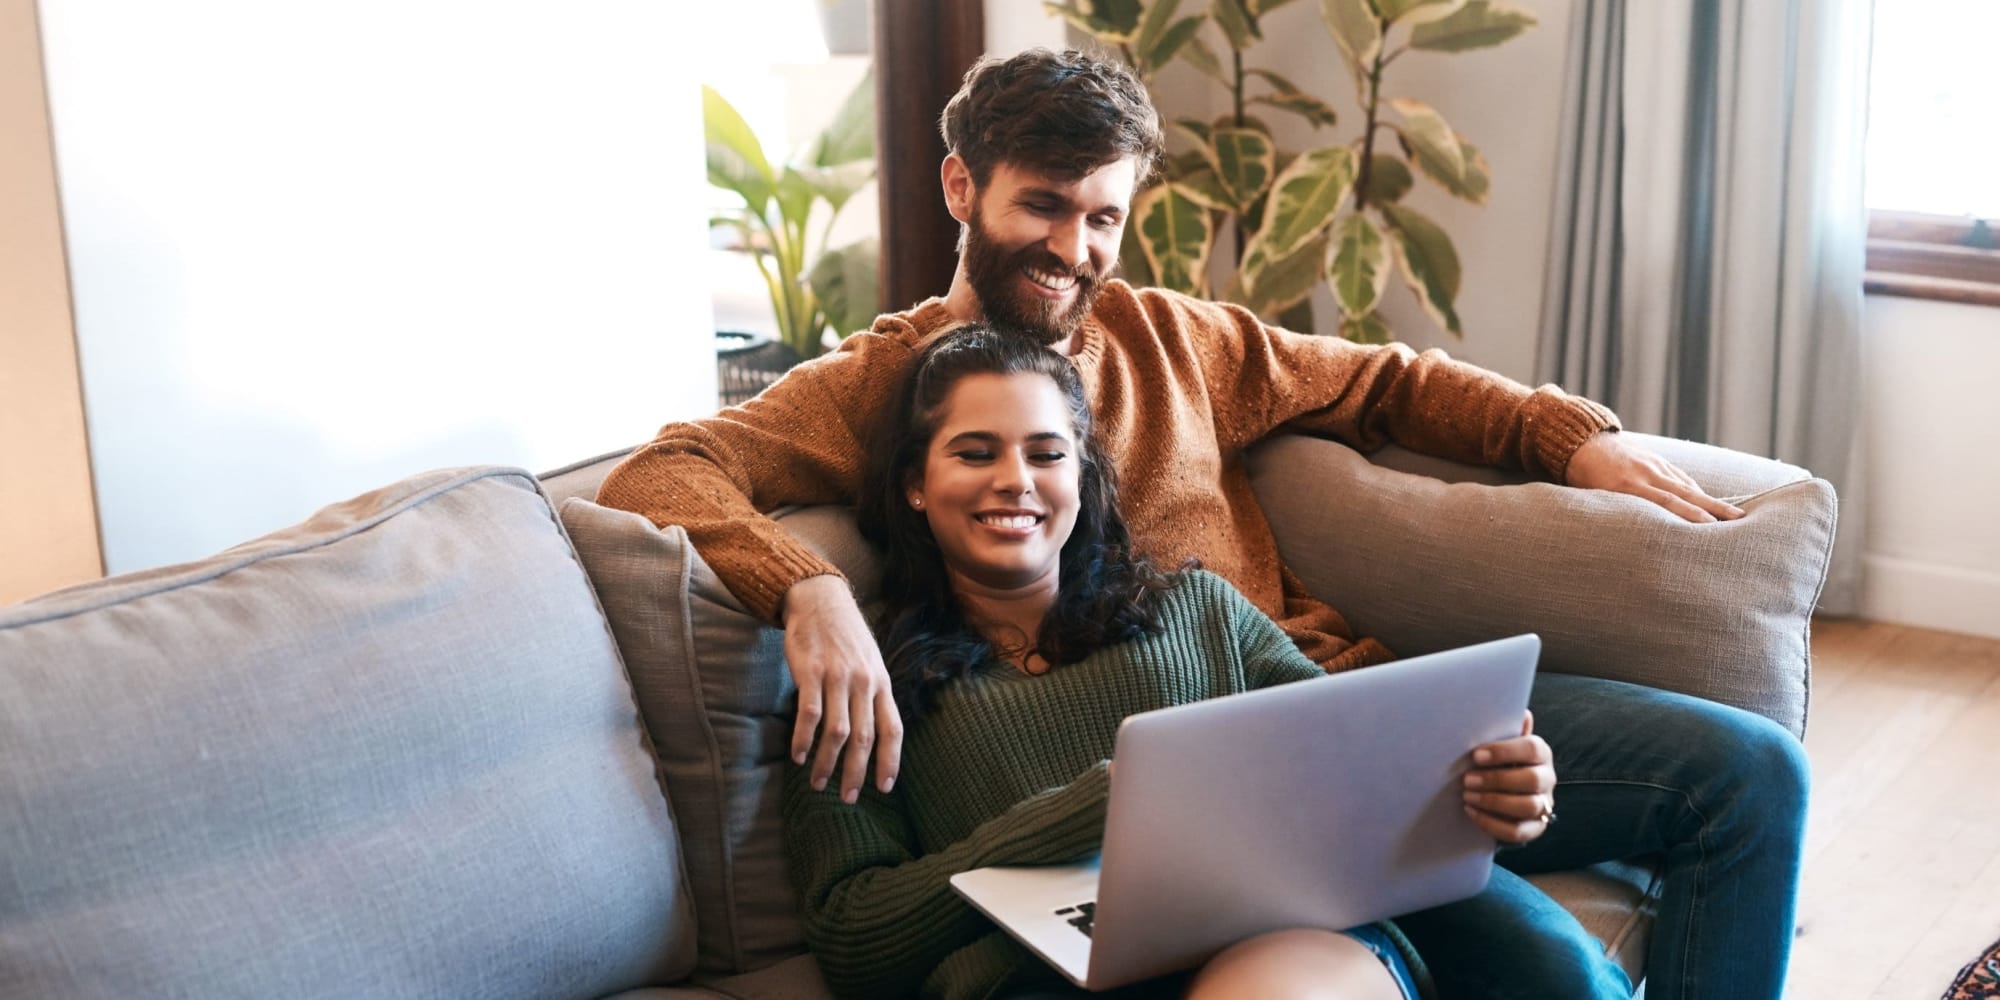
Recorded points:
(1105,592)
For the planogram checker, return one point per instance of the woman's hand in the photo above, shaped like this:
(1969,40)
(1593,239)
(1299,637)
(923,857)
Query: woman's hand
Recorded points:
(1511,789)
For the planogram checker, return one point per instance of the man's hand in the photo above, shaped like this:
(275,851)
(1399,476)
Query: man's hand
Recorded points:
(1609,462)
(1511,790)
(843,687)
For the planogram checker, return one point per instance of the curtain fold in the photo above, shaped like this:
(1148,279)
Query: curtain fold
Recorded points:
(1705,259)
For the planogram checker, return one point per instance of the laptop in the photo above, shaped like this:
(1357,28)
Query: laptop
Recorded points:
(1330,802)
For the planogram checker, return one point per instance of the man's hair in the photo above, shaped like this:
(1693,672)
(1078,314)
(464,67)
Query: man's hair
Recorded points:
(1061,114)
(1105,592)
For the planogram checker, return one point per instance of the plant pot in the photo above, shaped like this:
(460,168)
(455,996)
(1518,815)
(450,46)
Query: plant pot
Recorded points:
(844,24)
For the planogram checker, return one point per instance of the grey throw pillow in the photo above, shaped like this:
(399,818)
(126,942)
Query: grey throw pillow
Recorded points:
(714,691)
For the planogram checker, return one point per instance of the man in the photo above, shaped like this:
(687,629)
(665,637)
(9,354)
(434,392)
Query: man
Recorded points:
(1046,150)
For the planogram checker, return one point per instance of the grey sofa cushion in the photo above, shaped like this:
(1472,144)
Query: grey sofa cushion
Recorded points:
(388,752)
(1616,586)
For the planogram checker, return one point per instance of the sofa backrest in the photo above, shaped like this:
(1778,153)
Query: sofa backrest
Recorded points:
(391,751)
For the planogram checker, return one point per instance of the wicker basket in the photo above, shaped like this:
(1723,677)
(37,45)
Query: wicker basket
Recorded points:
(747,362)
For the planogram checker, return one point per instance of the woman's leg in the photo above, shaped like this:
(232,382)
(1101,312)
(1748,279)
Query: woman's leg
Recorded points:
(1717,793)
(1299,964)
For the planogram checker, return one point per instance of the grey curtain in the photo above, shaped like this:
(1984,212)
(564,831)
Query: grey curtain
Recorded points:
(1704,274)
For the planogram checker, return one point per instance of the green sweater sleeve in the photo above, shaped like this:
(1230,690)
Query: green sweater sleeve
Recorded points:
(878,914)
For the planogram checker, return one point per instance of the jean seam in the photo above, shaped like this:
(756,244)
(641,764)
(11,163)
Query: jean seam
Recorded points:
(1700,867)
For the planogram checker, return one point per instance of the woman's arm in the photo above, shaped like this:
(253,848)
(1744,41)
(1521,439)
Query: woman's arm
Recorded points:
(879,915)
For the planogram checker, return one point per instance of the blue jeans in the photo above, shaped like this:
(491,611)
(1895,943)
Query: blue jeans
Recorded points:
(1718,795)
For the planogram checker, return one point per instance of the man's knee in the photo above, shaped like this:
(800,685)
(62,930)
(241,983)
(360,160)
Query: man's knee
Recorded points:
(1772,764)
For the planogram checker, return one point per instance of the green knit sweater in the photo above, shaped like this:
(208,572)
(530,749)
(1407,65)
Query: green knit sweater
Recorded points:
(1006,768)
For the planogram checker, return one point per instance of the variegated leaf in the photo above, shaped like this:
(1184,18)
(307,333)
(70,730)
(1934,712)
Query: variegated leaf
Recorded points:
(1195,129)
(1268,287)
(1171,44)
(1236,23)
(1202,186)
(1369,329)
(1477,25)
(1388,178)
(1242,158)
(1428,262)
(1305,197)
(1176,237)
(1154,20)
(1416,11)
(1356,32)
(1433,146)
(1203,59)
(1360,268)
(1477,177)
(1110,21)
(1287,96)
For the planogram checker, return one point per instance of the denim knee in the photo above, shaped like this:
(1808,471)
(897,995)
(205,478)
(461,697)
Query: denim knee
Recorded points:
(1770,764)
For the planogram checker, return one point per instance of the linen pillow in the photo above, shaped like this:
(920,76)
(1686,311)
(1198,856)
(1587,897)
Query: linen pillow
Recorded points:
(1616,586)
(390,751)
(712,685)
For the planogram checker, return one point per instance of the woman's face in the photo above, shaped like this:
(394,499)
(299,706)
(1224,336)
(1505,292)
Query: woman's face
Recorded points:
(999,480)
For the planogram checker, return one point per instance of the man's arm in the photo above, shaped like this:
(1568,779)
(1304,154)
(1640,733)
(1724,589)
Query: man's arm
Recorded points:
(800,442)
(1368,396)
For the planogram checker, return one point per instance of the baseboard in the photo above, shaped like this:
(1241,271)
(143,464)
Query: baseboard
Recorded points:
(1928,595)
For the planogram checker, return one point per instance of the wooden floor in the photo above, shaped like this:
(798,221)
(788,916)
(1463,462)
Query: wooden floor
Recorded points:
(1902,863)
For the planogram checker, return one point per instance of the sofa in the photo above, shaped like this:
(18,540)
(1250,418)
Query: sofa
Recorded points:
(472,735)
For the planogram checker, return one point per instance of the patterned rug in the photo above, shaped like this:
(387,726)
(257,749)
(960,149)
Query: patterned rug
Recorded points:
(1979,980)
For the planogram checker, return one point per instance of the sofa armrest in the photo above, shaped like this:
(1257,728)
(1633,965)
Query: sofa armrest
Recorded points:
(1425,554)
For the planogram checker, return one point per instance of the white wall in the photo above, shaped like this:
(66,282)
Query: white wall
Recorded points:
(1012,26)
(1506,100)
(317,246)
(1933,445)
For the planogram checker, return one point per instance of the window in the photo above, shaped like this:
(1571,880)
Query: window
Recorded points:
(1934,201)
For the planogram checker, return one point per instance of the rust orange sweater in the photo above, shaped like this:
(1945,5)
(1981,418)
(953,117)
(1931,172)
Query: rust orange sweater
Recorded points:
(1180,387)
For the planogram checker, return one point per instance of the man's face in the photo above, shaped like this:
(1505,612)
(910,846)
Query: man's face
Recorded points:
(1037,250)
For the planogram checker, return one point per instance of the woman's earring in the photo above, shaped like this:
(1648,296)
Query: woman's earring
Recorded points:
(917,502)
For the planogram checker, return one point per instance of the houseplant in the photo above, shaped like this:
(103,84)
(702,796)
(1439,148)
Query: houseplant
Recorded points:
(813,289)
(1334,214)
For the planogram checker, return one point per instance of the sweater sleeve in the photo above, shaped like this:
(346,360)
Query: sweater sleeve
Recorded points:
(879,915)
(799,442)
(1264,379)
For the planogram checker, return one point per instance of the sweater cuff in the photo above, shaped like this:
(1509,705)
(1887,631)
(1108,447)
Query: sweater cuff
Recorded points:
(1058,826)
(761,581)
(1559,424)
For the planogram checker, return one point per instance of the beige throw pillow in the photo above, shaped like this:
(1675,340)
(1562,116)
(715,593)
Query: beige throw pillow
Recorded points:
(1616,586)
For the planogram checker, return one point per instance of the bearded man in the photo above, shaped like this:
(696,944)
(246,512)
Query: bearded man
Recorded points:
(1046,151)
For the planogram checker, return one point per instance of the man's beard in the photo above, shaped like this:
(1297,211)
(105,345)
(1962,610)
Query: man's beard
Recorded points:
(994,273)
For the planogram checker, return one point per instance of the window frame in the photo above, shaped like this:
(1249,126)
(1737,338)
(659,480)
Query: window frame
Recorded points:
(1942,257)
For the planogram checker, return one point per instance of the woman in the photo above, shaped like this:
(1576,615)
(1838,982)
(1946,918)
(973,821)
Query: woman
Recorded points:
(1019,629)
